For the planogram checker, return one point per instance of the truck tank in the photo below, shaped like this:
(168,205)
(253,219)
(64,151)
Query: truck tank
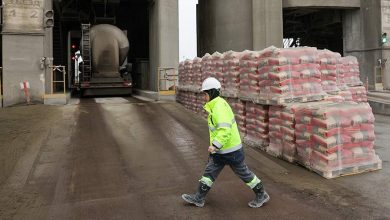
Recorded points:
(109,48)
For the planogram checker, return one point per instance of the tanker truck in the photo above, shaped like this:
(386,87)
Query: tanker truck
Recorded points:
(102,68)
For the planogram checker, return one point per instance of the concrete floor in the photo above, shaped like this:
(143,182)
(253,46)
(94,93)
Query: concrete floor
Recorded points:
(126,158)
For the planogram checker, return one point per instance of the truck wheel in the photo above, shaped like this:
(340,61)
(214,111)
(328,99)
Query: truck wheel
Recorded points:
(81,93)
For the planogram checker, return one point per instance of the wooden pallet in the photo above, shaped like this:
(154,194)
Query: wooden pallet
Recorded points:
(229,94)
(275,154)
(189,89)
(289,159)
(283,101)
(354,84)
(333,92)
(346,171)
(261,144)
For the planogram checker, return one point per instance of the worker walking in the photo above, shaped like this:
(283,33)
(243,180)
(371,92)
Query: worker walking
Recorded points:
(225,149)
(78,60)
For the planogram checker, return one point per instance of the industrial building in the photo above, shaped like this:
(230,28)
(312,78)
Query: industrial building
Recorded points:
(30,46)
(34,38)
(320,153)
(350,27)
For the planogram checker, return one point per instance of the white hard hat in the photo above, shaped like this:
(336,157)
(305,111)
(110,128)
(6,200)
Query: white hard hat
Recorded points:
(77,52)
(210,83)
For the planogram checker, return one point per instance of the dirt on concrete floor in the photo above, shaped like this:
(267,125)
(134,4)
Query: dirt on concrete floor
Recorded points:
(123,158)
(21,127)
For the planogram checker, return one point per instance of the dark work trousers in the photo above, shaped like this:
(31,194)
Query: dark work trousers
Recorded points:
(234,159)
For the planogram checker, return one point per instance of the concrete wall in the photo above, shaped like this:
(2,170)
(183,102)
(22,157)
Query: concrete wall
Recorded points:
(21,61)
(321,3)
(238,25)
(255,24)
(224,25)
(267,23)
(163,37)
(362,31)
(21,57)
(385,9)
(48,50)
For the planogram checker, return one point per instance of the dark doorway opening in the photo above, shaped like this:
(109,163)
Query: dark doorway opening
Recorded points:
(321,28)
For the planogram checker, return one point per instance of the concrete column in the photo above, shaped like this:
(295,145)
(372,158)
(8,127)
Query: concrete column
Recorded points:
(48,49)
(267,23)
(163,37)
(23,46)
(361,31)
(385,9)
(21,61)
(224,25)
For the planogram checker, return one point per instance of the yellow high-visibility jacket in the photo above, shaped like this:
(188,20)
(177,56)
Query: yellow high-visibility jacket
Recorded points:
(222,126)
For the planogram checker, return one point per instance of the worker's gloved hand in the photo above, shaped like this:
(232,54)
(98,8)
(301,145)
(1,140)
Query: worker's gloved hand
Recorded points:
(212,149)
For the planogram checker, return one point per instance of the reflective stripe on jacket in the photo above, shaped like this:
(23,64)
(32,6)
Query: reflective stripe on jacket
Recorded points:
(222,126)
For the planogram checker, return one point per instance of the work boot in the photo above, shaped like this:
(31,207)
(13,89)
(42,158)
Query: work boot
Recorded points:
(199,197)
(261,196)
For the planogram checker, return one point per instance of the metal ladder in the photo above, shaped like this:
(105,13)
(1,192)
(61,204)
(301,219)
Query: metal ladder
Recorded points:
(86,52)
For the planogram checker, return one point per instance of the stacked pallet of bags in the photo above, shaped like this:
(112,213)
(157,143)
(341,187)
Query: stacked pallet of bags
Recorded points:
(275,147)
(335,139)
(282,130)
(249,77)
(358,93)
(328,62)
(182,76)
(256,122)
(197,73)
(190,100)
(180,96)
(183,98)
(185,75)
(238,108)
(188,73)
(301,104)
(231,76)
(348,80)
(217,67)
(207,66)
(289,75)
(194,99)
(349,68)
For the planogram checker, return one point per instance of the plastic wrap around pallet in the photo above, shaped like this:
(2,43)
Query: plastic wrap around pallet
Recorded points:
(231,76)
(328,62)
(217,67)
(333,137)
(190,100)
(239,111)
(206,64)
(249,77)
(256,120)
(282,76)
(336,139)
(349,71)
(282,129)
(359,93)
(186,75)
(197,73)
(182,75)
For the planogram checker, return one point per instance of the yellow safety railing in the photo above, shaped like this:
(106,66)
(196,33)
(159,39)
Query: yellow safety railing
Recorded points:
(168,77)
